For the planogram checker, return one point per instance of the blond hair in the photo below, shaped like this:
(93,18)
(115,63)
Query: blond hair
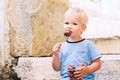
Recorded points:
(82,13)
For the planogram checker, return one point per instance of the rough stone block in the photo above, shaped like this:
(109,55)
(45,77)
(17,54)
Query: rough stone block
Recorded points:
(31,68)
(108,46)
(36,69)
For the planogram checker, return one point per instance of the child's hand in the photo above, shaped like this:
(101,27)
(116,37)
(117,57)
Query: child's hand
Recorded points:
(56,48)
(71,70)
(79,73)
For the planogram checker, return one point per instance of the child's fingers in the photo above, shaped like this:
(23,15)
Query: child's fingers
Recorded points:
(79,73)
(59,45)
(56,48)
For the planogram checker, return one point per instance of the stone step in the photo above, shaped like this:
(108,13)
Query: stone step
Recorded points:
(34,68)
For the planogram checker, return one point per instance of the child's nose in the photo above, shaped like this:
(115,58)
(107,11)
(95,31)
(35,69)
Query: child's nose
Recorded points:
(69,26)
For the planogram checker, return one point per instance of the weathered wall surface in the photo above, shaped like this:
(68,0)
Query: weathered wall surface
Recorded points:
(108,46)
(35,26)
(1,24)
(4,39)
(47,25)
(19,27)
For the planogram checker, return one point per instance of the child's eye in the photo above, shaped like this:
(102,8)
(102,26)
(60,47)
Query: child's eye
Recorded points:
(66,23)
(75,23)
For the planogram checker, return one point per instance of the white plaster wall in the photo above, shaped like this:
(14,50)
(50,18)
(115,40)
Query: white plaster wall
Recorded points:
(111,8)
(4,33)
(1,18)
(2,3)
(104,17)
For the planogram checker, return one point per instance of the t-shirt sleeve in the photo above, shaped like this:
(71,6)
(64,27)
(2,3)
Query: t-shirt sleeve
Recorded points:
(93,52)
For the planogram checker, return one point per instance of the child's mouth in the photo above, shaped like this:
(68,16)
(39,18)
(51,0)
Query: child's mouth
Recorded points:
(67,33)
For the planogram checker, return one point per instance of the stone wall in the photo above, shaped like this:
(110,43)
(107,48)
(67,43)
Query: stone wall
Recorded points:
(108,46)
(3,37)
(47,25)
(19,27)
(35,26)
(1,24)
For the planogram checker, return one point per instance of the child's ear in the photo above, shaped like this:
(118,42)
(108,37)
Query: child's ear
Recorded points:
(83,28)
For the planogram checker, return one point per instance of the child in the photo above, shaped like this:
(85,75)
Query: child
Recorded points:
(76,51)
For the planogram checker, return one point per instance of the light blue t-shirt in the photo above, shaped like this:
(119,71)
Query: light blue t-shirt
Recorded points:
(75,53)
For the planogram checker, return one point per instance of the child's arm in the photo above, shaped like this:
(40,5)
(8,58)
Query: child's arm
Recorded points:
(55,60)
(96,64)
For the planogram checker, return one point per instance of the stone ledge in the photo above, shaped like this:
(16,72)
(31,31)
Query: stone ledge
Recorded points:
(34,68)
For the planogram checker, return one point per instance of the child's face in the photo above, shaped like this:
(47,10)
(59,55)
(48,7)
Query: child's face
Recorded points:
(73,22)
